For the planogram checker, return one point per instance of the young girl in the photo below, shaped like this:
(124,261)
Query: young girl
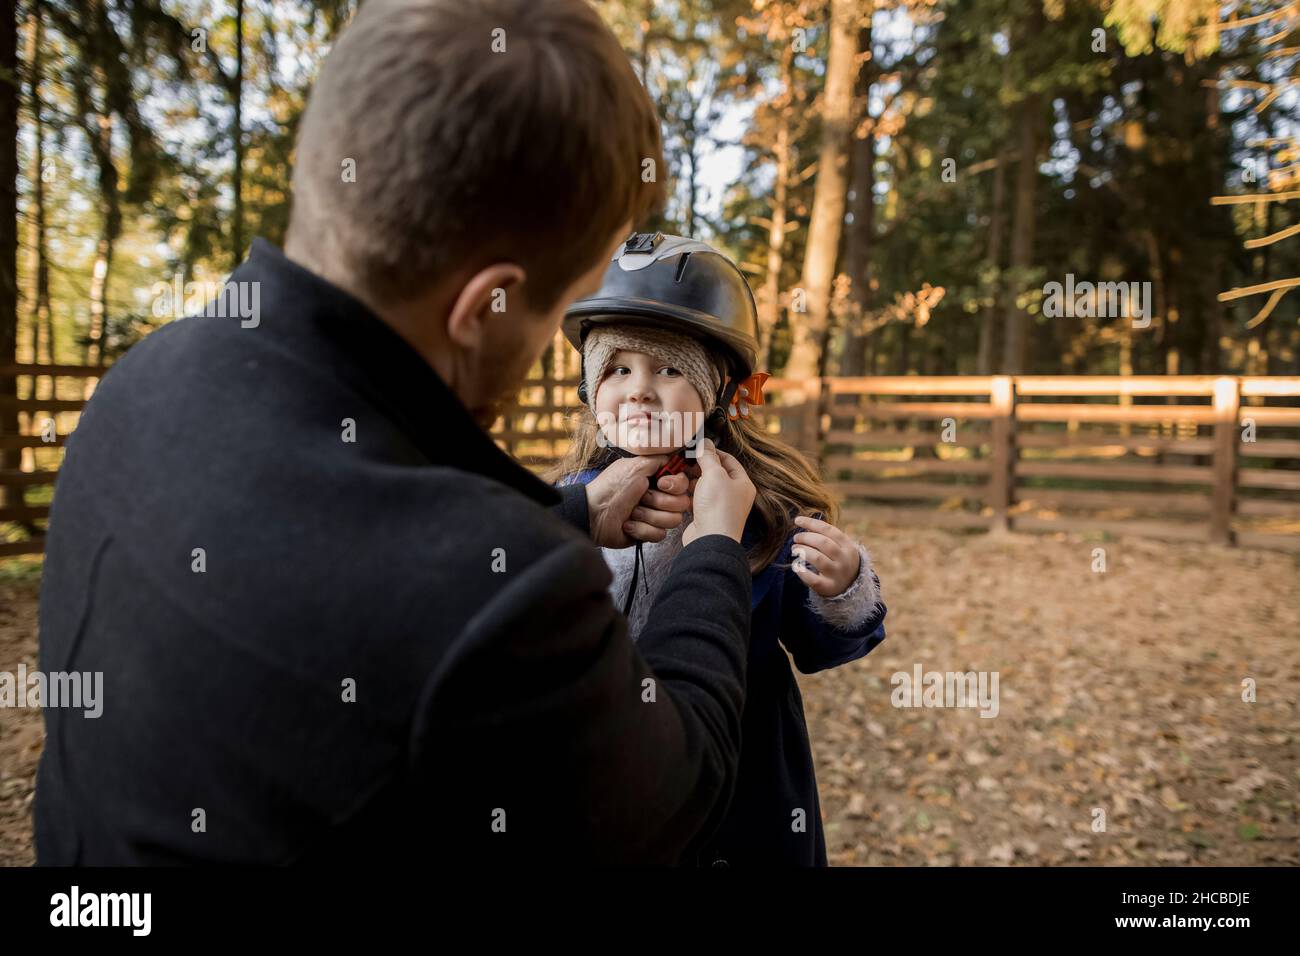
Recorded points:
(667,344)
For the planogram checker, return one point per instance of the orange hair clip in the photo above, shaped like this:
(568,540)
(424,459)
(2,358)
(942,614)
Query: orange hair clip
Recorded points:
(754,384)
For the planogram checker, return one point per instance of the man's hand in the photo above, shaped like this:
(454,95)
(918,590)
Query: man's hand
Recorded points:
(723,495)
(624,509)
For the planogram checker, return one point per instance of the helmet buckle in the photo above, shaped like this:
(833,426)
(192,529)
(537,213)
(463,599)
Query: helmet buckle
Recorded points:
(642,242)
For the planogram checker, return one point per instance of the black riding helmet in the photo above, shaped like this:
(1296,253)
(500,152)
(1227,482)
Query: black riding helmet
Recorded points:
(684,286)
(678,284)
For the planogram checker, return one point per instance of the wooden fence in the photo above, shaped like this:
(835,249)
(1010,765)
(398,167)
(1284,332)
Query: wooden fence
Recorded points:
(1209,458)
(50,400)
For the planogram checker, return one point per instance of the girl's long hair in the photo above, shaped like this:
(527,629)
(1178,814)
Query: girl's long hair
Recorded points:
(785,483)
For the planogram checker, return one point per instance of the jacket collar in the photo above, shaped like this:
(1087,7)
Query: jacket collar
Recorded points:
(375,360)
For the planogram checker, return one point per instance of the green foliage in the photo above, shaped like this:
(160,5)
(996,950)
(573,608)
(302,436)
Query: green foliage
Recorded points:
(1180,26)
(1135,133)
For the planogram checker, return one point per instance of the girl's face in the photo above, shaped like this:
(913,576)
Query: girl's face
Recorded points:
(645,406)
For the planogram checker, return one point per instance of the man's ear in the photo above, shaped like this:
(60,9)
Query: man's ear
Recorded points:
(490,290)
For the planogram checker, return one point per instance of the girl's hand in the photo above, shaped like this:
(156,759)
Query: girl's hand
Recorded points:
(834,554)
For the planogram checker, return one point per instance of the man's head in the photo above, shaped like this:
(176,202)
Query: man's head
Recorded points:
(465,167)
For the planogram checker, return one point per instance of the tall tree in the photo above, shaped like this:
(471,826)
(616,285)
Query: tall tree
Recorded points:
(770,299)
(42,321)
(807,352)
(237,134)
(1030,128)
(11,496)
(776,128)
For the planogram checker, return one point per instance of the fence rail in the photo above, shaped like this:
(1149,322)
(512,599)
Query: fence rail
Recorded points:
(1211,458)
(1199,457)
(46,407)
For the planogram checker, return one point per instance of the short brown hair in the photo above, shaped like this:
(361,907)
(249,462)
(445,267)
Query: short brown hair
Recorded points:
(464,156)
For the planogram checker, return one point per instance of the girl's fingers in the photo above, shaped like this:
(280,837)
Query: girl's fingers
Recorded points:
(807,553)
(824,543)
(821,527)
(815,580)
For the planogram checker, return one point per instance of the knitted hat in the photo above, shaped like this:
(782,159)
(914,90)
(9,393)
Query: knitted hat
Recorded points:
(686,354)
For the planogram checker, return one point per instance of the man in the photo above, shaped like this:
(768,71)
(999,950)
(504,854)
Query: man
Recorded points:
(334,621)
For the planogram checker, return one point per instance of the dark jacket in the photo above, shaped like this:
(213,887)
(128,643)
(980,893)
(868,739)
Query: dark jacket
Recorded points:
(500,711)
(776,765)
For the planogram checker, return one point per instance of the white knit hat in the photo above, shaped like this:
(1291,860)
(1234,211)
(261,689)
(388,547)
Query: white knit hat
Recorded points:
(683,352)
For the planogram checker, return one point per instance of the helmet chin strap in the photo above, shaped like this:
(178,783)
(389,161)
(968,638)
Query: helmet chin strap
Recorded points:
(676,464)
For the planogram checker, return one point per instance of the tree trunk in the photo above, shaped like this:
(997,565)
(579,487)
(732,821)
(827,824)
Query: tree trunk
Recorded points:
(98,127)
(237,231)
(770,308)
(988,315)
(1211,282)
(99,301)
(857,246)
(1022,234)
(647,16)
(904,356)
(9,458)
(42,322)
(692,175)
(829,195)
(858,241)
(99,279)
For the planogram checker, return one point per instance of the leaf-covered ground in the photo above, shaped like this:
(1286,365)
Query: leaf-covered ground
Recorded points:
(1119,691)
(21,730)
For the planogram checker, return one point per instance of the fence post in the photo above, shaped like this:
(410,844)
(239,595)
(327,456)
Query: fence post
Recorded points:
(11,496)
(1227,404)
(1002,398)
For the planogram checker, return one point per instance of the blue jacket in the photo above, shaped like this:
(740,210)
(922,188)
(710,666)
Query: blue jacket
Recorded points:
(763,824)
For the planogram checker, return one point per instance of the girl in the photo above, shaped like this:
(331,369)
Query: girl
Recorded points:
(668,344)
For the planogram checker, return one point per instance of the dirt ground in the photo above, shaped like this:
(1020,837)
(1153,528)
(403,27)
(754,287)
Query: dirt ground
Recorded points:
(1120,691)
(21,731)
